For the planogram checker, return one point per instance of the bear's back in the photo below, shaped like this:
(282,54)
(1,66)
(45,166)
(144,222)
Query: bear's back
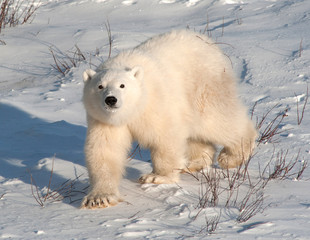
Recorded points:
(185,51)
(179,49)
(179,66)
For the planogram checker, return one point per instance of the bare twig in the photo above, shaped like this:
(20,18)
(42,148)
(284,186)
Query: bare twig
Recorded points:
(223,25)
(133,216)
(188,171)
(273,127)
(50,180)
(56,66)
(239,20)
(206,29)
(253,110)
(302,169)
(1,196)
(300,47)
(300,118)
(35,193)
(108,28)
(134,152)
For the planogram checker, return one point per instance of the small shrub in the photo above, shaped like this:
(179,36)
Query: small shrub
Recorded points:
(270,129)
(280,168)
(236,188)
(211,224)
(65,191)
(13,13)
(63,62)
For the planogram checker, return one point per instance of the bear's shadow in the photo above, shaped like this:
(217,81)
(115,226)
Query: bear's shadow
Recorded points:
(132,174)
(26,141)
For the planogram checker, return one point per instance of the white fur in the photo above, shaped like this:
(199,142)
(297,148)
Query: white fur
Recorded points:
(179,101)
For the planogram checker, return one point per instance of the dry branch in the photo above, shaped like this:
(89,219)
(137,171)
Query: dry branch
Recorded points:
(35,194)
(108,28)
(1,196)
(300,118)
(136,151)
(300,47)
(302,169)
(206,29)
(209,188)
(248,208)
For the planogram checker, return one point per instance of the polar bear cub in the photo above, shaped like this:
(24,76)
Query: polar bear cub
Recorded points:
(176,95)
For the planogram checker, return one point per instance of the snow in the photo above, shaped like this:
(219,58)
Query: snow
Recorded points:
(43,125)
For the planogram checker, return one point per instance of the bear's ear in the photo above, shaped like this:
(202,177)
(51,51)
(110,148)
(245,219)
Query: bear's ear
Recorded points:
(88,74)
(137,72)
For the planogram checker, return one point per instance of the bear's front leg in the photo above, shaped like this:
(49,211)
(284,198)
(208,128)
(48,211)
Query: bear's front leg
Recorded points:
(105,151)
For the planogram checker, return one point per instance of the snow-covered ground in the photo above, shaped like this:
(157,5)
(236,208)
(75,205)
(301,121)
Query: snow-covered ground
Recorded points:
(43,126)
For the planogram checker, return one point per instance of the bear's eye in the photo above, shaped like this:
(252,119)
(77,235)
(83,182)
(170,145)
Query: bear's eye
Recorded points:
(122,86)
(100,87)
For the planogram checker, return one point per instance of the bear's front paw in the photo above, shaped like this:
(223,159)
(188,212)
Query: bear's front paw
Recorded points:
(93,201)
(158,179)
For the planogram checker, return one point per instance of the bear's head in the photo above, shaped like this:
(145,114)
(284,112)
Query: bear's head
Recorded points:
(113,96)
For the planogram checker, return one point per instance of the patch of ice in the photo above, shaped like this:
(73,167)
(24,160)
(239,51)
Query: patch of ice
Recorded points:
(13,181)
(135,234)
(191,3)
(129,2)
(8,236)
(224,2)
(167,1)
(258,227)
(16,162)
(100,1)
(39,232)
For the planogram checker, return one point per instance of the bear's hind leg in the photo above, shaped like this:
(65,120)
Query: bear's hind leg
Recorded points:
(200,156)
(236,154)
(168,161)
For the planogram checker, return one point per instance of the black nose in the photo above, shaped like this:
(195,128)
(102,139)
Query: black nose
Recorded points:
(111,101)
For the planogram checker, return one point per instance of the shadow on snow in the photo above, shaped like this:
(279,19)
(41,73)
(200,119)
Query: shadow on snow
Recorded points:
(25,140)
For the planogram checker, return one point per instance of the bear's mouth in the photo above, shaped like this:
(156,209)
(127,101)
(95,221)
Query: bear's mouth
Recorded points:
(110,109)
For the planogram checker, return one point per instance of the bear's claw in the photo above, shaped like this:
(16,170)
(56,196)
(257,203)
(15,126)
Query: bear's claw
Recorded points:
(99,201)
